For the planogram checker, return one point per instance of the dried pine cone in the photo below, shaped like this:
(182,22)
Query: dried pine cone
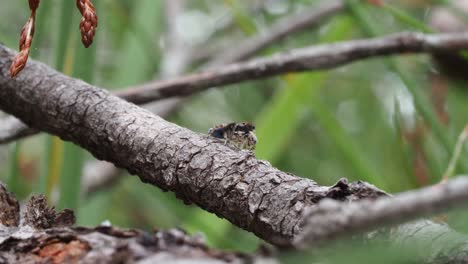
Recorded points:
(89,21)
(27,34)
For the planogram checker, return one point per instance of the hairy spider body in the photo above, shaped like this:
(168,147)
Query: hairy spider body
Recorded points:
(240,135)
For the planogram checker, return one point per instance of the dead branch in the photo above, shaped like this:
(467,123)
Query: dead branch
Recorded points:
(46,236)
(98,175)
(11,129)
(198,169)
(317,57)
(307,18)
(307,59)
(233,184)
(331,219)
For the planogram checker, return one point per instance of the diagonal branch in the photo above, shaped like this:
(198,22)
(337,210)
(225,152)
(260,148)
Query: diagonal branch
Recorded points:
(331,219)
(289,25)
(11,129)
(99,175)
(318,57)
(176,59)
(198,169)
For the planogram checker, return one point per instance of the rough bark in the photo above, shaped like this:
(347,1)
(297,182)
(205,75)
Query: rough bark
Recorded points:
(330,219)
(306,59)
(233,184)
(47,236)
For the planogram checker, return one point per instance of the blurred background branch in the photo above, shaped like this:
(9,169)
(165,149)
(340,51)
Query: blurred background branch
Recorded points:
(330,219)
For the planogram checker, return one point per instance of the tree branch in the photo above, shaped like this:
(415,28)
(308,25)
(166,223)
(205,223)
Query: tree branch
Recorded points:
(331,219)
(176,59)
(202,170)
(198,169)
(98,175)
(45,236)
(297,60)
(312,58)
(307,18)
(306,59)
(11,129)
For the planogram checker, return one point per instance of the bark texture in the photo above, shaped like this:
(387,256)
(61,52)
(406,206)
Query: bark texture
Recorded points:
(306,59)
(330,219)
(47,236)
(198,169)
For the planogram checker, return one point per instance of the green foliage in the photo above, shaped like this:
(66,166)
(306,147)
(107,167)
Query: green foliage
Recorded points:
(53,153)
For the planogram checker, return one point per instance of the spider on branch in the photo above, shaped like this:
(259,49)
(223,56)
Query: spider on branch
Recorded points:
(240,135)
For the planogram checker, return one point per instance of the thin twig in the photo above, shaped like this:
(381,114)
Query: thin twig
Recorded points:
(312,58)
(11,129)
(307,18)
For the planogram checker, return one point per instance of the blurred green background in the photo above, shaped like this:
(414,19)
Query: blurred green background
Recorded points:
(389,121)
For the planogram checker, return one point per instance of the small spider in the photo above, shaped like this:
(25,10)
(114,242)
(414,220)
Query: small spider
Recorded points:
(240,135)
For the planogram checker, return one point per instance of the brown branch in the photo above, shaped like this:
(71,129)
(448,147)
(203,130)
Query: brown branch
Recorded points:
(172,58)
(107,244)
(99,175)
(46,236)
(9,208)
(198,169)
(318,57)
(331,219)
(307,18)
